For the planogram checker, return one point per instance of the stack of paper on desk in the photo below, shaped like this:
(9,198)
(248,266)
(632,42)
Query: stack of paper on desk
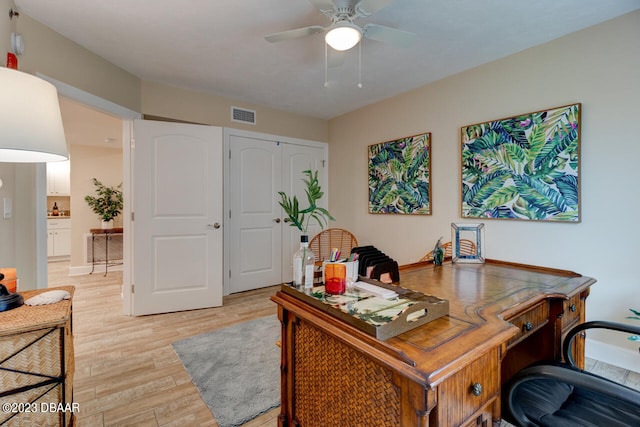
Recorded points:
(376,290)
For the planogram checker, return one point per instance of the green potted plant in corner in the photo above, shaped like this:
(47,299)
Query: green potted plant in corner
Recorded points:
(107,203)
(304,259)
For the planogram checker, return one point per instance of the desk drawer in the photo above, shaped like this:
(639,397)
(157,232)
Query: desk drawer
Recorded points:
(529,322)
(469,390)
(571,310)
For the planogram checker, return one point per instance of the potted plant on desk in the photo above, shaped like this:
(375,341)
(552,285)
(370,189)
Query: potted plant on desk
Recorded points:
(107,203)
(304,259)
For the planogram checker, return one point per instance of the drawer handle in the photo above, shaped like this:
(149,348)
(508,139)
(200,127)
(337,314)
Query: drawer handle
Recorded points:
(573,307)
(527,326)
(476,389)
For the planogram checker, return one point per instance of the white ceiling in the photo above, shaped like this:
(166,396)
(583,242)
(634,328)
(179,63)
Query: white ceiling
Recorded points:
(217,46)
(86,126)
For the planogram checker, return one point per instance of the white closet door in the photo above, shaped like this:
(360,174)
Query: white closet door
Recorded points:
(256,222)
(261,244)
(295,160)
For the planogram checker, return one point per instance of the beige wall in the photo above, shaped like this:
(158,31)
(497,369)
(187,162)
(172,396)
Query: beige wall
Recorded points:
(86,163)
(49,53)
(170,102)
(7,226)
(598,67)
(6,27)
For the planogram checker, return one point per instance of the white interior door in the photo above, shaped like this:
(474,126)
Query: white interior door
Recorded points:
(296,159)
(256,221)
(177,229)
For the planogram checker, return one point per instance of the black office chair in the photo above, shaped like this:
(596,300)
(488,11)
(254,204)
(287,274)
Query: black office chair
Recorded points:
(559,394)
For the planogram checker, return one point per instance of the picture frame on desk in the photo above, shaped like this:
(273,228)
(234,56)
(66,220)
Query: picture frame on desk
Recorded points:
(467,243)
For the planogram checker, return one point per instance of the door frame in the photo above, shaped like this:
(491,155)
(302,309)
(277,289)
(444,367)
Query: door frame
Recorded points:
(127,117)
(227,133)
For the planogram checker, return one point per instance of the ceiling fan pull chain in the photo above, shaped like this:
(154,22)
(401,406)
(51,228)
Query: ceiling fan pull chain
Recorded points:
(326,67)
(360,64)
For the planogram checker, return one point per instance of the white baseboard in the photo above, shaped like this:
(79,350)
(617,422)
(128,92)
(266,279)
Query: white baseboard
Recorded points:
(613,355)
(86,269)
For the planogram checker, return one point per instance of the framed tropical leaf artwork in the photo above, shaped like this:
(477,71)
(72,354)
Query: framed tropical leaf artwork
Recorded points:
(400,176)
(524,167)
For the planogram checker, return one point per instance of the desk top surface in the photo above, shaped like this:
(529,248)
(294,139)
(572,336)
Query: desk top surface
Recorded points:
(480,297)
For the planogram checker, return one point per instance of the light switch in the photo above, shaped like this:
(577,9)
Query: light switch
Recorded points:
(7,207)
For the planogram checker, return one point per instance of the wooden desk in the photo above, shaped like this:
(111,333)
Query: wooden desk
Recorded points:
(448,372)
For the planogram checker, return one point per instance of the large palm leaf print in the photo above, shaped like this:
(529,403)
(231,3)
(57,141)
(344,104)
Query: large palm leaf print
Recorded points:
(400,176)
(524,167)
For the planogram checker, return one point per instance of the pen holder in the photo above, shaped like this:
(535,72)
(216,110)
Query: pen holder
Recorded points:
(351,266)
(335,278)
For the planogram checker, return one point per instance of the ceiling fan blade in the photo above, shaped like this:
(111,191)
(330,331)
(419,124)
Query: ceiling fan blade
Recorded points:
(322,4)
(369,7)
(293,34)
(389,35)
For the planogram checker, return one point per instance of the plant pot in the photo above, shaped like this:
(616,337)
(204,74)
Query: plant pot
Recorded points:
(107,225)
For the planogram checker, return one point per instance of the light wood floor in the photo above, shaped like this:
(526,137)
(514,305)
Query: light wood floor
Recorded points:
(127,373)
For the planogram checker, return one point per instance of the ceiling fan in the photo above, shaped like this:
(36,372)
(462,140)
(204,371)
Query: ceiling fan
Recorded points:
(343,33)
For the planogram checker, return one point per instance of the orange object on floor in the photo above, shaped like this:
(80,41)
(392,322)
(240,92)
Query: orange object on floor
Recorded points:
(10,278)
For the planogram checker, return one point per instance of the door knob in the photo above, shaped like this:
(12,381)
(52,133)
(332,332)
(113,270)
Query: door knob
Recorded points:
(277,220)
(216,225)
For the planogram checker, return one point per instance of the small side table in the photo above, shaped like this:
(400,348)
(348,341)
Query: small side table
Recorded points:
(107,236)
(37,363)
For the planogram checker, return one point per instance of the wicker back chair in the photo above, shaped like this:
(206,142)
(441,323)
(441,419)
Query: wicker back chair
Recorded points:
(467,247)
(322,243)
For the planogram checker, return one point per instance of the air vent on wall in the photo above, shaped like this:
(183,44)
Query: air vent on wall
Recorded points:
(242,115)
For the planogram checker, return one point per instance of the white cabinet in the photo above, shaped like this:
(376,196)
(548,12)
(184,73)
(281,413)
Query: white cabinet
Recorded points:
(59,237)
(58,178)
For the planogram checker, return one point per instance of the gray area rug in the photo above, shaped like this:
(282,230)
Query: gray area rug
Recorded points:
(236,369)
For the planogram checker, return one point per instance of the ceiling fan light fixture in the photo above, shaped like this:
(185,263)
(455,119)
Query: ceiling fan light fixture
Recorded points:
(343,36)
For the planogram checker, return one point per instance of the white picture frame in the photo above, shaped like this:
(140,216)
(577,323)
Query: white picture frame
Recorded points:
(467,243)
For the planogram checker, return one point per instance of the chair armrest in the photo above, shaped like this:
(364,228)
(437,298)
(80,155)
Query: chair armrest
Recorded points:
(597,324)
(569,375)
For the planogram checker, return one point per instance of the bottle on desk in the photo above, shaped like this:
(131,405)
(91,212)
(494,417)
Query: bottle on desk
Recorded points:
(303,265)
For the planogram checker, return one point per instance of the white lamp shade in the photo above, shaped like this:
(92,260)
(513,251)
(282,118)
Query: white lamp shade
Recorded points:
(343,36)
(30,121)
